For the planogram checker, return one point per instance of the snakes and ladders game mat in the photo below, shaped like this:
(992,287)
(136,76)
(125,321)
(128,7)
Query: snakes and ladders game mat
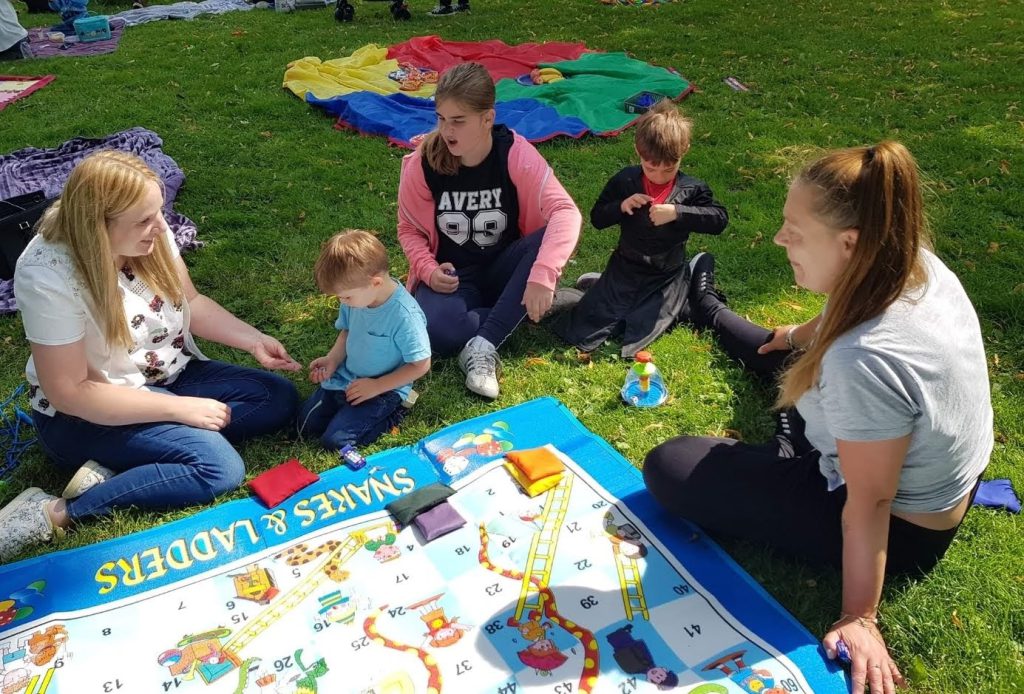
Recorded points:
(587,587)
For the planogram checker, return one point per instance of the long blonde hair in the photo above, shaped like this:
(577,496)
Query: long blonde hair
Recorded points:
(102,186)
(471,85)
(876,190)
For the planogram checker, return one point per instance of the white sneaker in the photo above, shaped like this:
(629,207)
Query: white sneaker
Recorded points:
(87,477)
(480,362)
(24,522)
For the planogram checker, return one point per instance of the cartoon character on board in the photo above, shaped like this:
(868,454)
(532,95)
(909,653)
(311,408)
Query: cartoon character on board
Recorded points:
(383,546)
(625,537)
(441,631)
(542,654)
(753,681)
(634,658)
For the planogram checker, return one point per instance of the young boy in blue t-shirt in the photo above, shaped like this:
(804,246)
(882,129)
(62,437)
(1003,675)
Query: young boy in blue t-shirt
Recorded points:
(382,346)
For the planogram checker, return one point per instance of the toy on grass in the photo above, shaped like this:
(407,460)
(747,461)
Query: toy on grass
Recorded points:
(644,386)
(352,458)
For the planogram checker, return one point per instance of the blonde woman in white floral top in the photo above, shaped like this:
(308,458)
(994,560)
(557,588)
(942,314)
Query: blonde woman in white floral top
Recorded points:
(119,390)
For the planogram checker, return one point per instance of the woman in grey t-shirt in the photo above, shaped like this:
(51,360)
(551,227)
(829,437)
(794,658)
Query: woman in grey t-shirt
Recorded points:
(886,423)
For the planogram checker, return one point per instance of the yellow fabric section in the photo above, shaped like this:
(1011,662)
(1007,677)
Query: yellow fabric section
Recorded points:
(533,488)
(536,463)
(366,70)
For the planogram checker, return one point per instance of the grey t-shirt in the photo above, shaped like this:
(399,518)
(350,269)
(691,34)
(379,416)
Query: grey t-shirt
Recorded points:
(919,369)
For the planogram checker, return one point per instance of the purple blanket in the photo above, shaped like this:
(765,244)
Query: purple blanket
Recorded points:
(32,169)
(41,47)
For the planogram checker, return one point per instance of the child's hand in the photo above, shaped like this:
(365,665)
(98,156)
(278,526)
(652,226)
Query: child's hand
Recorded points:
(361,390)
(322,368)
(633,202)
(443,279)
(663,214)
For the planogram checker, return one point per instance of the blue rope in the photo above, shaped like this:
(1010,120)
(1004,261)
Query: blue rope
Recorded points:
(16,431)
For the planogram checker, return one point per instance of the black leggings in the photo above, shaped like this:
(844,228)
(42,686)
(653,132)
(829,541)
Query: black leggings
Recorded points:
(746,491)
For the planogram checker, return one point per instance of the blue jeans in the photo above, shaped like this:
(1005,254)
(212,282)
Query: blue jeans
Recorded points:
(328,416)
(488,302)
(167,465)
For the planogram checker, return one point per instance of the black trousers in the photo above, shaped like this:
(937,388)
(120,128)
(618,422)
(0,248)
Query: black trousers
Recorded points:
(746,491)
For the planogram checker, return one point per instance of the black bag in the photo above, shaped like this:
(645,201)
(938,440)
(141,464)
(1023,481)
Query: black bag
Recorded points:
(17,217)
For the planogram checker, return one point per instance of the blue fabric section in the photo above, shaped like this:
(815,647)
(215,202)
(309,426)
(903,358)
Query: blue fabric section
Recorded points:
(401,118)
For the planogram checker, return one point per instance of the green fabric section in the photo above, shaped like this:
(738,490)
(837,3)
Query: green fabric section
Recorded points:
(426,497)
(595,88)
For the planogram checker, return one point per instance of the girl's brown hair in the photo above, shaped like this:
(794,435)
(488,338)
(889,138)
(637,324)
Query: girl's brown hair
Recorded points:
(876,190)
(101,187)
(471,85)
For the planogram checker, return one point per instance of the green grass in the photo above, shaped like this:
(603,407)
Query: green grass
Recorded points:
(269,179)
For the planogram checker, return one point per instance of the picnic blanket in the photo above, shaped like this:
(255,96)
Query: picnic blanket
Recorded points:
(14,87)
(181,10)
(31,169)
(41,47)
(359,92)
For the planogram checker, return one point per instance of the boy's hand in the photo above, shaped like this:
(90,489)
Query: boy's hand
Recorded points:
(361,390)
(443,279)
(633,202)
(322,368)
(663,214)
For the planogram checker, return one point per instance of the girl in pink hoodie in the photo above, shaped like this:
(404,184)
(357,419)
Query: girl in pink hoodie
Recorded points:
(485,224)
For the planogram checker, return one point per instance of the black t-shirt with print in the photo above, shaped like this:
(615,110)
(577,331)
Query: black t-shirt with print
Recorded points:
(476,211)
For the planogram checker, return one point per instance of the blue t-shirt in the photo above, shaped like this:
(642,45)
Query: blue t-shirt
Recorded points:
(381,339)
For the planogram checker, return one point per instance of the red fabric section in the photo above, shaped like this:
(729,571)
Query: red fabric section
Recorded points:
(278,483)
(658,193)
(500,59)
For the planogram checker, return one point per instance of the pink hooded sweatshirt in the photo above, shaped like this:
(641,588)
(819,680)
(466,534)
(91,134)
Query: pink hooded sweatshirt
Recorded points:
(543,202)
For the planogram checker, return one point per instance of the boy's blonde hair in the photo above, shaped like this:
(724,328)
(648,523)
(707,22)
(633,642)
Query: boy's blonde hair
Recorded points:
(663,134)
(350,259)
(101,187)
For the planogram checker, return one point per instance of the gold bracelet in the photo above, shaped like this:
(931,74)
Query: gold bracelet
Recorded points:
(790,342)
(861,621)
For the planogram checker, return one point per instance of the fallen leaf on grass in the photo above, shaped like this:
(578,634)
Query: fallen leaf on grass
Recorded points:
(969,264)
(536,361)
(733,434)
(267,133)
(1018,289)
(584,357)
(1004,167)
(239,32)
(956,620)
(993,247)
(795,307)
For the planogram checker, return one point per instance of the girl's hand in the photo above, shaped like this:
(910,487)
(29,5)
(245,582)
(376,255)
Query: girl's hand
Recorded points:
(443,279)
(202,413)
(633,202)
(870,663)
(271,354)
(778,340)
(537,300)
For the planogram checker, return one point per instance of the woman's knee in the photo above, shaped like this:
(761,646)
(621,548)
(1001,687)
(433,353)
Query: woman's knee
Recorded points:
(668,468)
(222,474)
(282,396)
(448,334)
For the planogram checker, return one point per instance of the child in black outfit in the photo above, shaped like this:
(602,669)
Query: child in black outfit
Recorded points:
(643,291)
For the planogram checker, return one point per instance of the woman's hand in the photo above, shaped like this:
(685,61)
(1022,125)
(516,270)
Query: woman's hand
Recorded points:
(537,299)
(778,340)
(634,202)
(271,354)
(202,413)
(322,368)
(443,279)
(870,663)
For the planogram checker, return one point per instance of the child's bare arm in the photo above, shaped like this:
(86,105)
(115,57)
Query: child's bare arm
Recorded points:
(322,368)
(363,389)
